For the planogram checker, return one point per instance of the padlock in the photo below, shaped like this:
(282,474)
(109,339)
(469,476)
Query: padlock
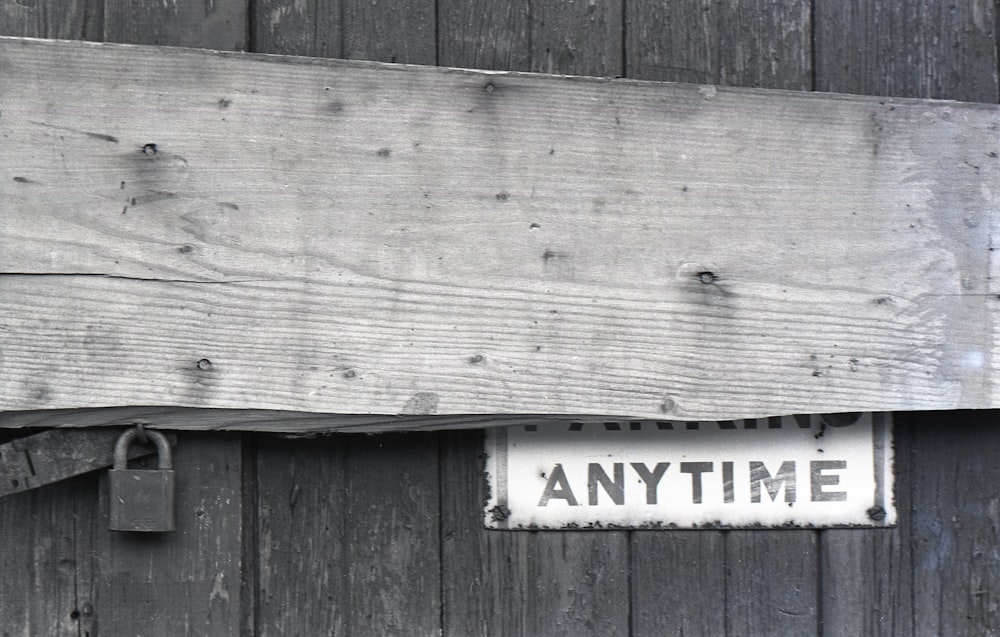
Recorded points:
(142,499)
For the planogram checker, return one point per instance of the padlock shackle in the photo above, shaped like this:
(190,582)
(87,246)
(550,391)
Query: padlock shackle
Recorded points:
(162,448)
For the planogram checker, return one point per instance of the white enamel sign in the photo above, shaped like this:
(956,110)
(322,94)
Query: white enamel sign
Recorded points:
(815,471)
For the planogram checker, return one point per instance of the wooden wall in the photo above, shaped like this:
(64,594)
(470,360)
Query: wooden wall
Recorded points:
(354,535)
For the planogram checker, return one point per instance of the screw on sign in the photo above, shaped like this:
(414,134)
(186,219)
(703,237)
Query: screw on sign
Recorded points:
(142,500)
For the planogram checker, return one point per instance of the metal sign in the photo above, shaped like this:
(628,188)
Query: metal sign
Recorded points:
(814,471)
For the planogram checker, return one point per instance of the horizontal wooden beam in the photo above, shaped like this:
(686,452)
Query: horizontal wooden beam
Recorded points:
(198,229)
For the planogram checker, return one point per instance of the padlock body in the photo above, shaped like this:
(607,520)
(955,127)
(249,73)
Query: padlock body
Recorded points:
(141,500)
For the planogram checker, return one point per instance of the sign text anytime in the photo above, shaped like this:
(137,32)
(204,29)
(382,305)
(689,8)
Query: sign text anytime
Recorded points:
(817,471)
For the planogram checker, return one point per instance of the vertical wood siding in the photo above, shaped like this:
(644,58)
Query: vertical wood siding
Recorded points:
(350,535)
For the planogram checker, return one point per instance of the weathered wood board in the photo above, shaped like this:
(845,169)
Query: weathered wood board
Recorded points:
(190,228)
(934,572)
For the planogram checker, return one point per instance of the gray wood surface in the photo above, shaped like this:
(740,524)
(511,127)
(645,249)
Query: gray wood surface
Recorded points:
(215,24)
(307,27)
(955,524)
(401,31)
(348,536)
(577,38)
(300,551)
(524,583)
(485,34)
(514,292)
(934,574)
(763,43)
(186,582)
(866,574)
(772,583)
(193,419)
(393,538)
(924,48)
(679,583)
(48,569)
(62,19)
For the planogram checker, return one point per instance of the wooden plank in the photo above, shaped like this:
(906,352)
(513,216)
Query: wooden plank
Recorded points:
(252,548)
(748,43)
(483,592)
(301,531)
(351,522)
(348,536)
(911,49)
(216,24)
(866,574)
(62,19)
(581,580)
(679,583)
(671,41)
(47,560)
(485,34)
(400,31)
(188,581)
(309,27)
(521,583)
(577,38)
(488,275)
(771,583)
(393,540)
(955,524)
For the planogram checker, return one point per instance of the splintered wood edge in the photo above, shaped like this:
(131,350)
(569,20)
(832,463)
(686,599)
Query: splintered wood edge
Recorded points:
(296,423)
(289,422)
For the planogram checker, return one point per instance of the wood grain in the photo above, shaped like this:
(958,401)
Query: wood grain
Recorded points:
(491,264)
(485,34)
(399,31)
(865,574)
(679,583)
(392,539)
(771,583)
(348,536)
(352,522)
(744,43)
(908,49)
(523,583)
(955,524)
(301,551)
(577,38)
(310,27)
(62,19)
(215,24)
(47,559)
